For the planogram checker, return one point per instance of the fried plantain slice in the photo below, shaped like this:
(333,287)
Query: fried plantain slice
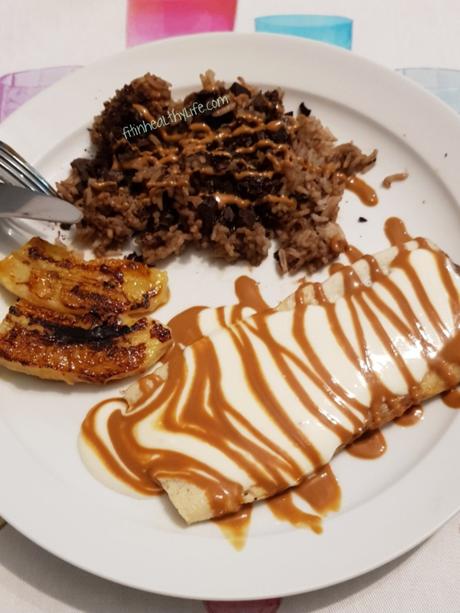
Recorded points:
(79,349)
(53,277)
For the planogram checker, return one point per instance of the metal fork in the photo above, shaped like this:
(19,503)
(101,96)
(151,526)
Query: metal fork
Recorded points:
(15,170)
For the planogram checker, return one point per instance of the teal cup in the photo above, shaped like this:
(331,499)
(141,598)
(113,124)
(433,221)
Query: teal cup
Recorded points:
(325,28)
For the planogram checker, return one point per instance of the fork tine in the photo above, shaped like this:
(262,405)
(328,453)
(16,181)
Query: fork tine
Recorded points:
(18,162)
(20,174)
(23,170)
(11,175)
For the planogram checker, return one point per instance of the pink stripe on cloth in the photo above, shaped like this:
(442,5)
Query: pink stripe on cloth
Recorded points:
(250,606)
(18,87)
(152,19)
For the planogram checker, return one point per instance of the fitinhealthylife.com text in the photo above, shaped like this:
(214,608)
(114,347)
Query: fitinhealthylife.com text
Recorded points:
(173,117)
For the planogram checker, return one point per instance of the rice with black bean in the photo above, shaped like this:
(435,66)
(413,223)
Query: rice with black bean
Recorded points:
(229,180)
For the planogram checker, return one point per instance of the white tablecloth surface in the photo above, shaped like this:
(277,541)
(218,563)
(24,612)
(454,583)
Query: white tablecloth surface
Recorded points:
(397,33)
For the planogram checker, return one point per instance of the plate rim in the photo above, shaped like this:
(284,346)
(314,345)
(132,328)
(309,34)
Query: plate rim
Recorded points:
(14,124)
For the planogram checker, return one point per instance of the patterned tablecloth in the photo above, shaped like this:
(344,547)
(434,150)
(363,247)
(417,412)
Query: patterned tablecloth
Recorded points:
(40,43)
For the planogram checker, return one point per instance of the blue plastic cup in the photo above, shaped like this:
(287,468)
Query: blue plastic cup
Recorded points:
(442,82)
(326,28)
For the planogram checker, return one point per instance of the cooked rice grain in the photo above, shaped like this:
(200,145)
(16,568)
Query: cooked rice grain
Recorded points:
(229,181)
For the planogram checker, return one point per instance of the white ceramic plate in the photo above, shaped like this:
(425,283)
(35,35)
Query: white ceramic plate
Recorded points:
(389,505)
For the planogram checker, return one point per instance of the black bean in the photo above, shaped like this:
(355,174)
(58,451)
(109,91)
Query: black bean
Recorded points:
(237,89)
(207,212)
(304,110)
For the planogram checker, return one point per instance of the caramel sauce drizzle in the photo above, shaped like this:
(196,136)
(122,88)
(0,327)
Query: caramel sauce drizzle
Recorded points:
(200,136)
(248,294)
(170,146)
(284,509)
(235,527)
(411,417)
(138,480)
(452,399)
(364,191)
(369,446)
(320,490)
(396,231)
(333,268)
(353,254)
(226,429)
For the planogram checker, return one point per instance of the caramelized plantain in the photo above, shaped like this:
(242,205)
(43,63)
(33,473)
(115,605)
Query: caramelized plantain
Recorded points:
(55,278)
(78,348)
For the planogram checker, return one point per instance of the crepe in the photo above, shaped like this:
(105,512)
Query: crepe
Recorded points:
(257,406)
